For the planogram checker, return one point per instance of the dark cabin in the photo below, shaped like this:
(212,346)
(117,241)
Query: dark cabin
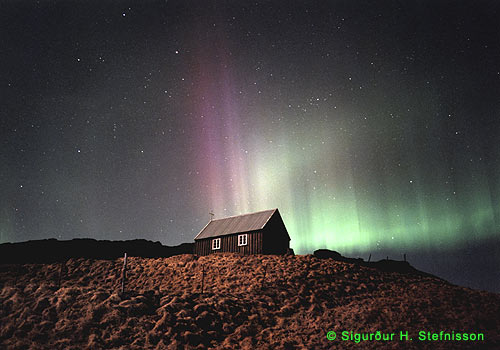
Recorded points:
(262,232)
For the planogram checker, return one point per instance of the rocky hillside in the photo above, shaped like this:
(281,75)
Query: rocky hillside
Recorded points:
(250,302)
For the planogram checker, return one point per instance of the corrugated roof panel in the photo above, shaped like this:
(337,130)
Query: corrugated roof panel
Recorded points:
(235,224)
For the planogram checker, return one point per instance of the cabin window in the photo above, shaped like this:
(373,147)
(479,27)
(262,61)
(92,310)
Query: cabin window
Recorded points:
(242,239)
(215,243)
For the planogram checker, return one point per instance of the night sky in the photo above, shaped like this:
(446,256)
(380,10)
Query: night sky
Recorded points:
(374,126)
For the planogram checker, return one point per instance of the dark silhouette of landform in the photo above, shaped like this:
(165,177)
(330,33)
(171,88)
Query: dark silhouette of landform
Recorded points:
(52,250)
(387,265)
(227,301)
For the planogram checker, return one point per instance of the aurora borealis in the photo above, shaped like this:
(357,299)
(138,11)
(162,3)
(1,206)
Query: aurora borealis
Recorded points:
(373,127)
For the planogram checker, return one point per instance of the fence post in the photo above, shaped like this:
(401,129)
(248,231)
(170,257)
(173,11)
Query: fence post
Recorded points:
(60,275)
(18,268)
(202,277)
(264,277)
(404,256)
(124,272)
(370,257)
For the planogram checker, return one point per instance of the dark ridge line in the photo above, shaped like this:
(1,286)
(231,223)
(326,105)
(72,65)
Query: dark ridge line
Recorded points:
(53,250)
(386,265)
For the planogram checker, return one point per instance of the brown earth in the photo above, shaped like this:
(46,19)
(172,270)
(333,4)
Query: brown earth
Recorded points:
(249,302)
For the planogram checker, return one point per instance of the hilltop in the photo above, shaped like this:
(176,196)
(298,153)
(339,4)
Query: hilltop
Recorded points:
(248,302)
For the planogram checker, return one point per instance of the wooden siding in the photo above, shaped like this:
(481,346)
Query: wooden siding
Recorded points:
(276,239)
(229,243)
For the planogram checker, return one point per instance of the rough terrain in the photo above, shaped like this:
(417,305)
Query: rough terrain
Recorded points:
(248,302)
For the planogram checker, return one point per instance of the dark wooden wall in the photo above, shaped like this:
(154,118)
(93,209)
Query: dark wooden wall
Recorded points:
(276,238)
(229,243)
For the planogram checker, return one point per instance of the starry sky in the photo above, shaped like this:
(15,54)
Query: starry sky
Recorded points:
(374,127)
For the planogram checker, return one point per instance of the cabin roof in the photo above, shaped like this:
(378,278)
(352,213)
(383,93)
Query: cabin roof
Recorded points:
(236,224)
